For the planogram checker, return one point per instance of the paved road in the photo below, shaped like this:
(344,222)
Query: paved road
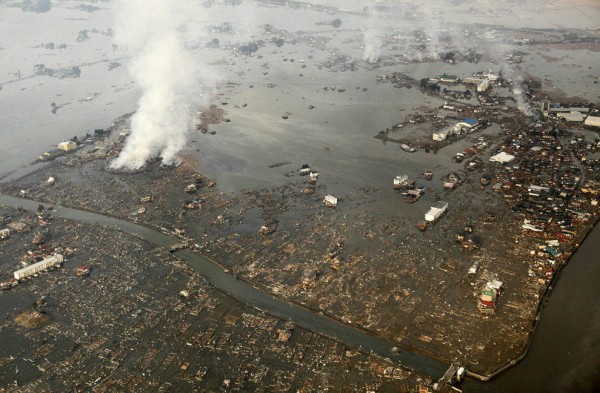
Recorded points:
(251,296)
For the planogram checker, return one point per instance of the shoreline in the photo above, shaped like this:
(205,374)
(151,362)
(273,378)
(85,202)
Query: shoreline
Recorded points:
(538,315)
(411,349)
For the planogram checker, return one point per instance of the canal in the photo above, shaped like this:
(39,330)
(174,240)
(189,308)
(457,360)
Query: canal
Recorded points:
(251,296)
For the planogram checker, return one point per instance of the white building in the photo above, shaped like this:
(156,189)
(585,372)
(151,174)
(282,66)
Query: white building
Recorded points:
(592,121)
(400,180)
(456,129)
(436,211)
(330,201)
(535,191)
(483,86)
(490,76)
(52,261)
(502,158)
(571,116)
(442,134)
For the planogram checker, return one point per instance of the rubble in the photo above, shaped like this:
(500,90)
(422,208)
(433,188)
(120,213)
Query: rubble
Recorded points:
(362,263)
(139,297)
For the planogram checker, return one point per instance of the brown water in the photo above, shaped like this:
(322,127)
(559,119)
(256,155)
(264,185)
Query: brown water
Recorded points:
(566,350)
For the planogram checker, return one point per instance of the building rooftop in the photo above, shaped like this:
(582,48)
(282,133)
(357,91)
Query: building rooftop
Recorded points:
(471,121)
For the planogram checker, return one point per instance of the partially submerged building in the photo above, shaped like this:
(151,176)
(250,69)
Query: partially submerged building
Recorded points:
(467,124)
(451,181)
(330,201)
(28,271)
(67,146)
(400,181)
(436,211)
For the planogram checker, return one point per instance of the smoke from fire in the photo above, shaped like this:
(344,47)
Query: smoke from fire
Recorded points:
(170,78)
(372,41)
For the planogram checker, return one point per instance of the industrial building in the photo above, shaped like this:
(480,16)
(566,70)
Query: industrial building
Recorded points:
(52,261)
(593,120)
(573,116)
(436,211)
(549,108)
(456,129)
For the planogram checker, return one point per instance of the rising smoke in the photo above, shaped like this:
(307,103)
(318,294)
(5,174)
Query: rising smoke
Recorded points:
(372,49)
(372,41)
(513,76)
(170,77)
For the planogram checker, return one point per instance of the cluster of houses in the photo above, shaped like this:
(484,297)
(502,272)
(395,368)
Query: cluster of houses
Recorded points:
(552,186)
(410,194)
(482,80)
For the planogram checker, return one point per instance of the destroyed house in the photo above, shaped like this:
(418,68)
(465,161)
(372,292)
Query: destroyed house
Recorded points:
(4,233)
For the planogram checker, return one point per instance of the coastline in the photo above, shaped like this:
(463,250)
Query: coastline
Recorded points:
(538,315)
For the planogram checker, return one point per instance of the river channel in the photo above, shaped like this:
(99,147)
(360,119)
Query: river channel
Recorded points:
(247,294)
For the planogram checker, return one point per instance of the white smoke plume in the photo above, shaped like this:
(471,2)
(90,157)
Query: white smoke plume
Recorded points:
(372,41)
(513,75)
(171,79)
(372,49)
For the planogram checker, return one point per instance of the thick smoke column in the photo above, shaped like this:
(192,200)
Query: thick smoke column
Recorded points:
(167,74)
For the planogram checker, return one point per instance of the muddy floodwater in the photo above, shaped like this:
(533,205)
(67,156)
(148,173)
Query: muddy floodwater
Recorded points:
(298,103)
